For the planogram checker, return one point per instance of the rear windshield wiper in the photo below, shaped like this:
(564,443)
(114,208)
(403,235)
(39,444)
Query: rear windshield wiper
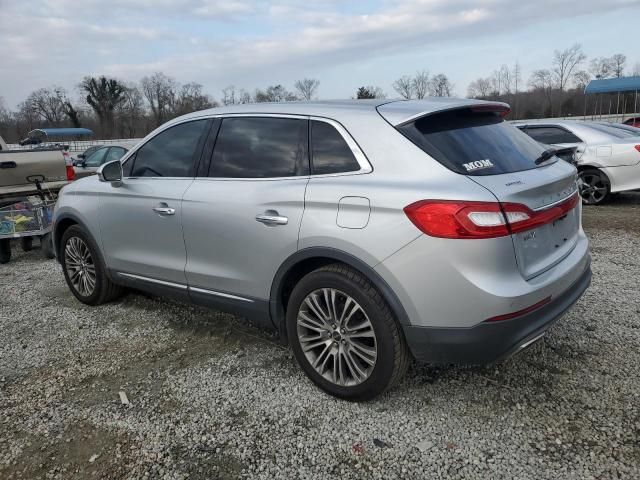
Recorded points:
(546,155)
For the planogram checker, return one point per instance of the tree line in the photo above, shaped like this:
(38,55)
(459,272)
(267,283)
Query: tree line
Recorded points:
(116,109)
(559,89)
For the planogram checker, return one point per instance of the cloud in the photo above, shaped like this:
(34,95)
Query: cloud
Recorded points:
(216,41)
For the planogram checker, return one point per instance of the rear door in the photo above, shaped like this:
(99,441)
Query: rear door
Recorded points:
(496,155)
(242,216)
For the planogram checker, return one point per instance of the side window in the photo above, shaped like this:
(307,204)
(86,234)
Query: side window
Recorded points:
(115,153)
(552,135)
(96,158)
(260,147)
(329,151)
(170,153)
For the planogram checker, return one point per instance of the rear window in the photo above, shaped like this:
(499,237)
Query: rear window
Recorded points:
(474,143)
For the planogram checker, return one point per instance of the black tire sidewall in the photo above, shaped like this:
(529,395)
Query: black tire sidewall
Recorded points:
(383,370)
(96,297)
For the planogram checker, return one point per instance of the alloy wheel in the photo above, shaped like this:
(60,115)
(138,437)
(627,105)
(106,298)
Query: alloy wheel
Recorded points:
(593,188)
(337,337)
(81,269)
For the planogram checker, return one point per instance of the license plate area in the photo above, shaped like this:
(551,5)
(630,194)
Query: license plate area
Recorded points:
(539,249)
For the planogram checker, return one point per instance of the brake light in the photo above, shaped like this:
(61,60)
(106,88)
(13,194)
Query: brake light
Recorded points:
(637,147)
(71,174)
(519,313)
(475,220)
(502,110)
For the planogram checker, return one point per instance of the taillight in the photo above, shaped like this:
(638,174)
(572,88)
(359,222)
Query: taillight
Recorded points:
(71,174)
(637,147)
(473,220)
(519,313)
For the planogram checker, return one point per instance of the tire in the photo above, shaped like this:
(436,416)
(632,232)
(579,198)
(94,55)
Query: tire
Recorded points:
(26,243)
(336,373)
(594,185)
(5,251)
(46,246)
(79,253)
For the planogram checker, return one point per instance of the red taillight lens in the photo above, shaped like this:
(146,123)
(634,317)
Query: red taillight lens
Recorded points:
(519,313)
(466,220)
(637,147)
(452,219)
(71,174)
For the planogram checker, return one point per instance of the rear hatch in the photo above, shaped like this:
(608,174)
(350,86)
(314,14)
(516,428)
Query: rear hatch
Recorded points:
(476,142)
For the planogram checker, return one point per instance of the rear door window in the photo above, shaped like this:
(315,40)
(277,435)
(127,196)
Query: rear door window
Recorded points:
(473,142)
(261,147)
(551,135)
(329,151)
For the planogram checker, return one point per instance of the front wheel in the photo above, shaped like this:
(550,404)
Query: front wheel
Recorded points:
(343,334)
(84,269)
(594,186)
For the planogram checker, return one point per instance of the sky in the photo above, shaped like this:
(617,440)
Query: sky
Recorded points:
(344,44)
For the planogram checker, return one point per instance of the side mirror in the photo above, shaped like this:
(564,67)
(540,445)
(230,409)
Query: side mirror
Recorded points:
(111,172)
(81,156)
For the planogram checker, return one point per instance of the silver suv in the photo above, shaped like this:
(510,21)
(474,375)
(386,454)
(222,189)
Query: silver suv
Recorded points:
(367,233)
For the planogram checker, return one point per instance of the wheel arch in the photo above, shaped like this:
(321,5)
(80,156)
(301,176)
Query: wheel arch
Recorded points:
(309,259)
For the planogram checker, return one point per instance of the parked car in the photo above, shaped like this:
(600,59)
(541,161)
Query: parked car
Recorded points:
(103,154)
(633,122)
(365,232)
(17,165)
(86,153)
(608,157)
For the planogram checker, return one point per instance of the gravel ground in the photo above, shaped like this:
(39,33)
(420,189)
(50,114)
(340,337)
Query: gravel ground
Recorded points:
(210,397)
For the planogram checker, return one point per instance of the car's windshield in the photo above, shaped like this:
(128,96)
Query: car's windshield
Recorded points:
(474,143)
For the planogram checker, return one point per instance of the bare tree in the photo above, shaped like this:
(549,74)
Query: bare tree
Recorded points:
(542,80)
(565,62)
(274,93)
(130,112)
(160,92)
(190,98)
(307,88)
(231,96)
(507,80)
(618,62)
(49,104)
(601,67)
(441,86)
(421,84)
(103,96)
(582,79)
(480,88)
(404,86)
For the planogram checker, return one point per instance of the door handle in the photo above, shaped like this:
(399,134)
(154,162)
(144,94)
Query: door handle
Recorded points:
(164,210)
(272,218)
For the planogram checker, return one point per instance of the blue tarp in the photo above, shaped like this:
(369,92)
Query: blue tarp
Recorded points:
(61,132)
(613,85)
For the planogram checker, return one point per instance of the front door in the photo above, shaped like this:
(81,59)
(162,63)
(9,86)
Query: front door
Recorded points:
(141,220)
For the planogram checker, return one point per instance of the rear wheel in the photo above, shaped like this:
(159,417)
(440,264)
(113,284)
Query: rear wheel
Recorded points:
(594,185)
(344,335)
(5,251)
(26,243)
(84,268)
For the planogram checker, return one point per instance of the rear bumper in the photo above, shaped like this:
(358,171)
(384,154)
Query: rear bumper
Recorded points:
(490,342)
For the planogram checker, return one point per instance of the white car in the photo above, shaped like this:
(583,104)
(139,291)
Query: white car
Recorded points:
(607,156)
